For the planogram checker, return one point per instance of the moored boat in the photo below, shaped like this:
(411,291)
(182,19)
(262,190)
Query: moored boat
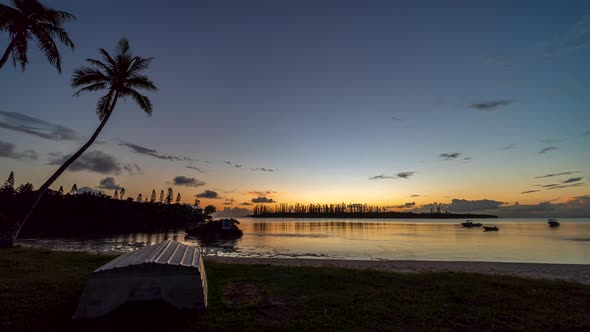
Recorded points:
(553,222)
(490,228)
(470,224)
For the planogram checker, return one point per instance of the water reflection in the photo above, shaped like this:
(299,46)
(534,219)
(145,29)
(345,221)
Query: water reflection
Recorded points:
(519,240)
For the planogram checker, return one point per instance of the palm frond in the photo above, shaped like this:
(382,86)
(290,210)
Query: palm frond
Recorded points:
(107,57)
(55,31)
(104,104)
(143,101)
(19,52)
(47,45)
(101,65)
(86,75)
(92,87)
(139,64)
(141,82)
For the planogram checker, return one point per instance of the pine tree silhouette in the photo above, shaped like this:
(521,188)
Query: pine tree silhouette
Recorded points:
(74,189)
(169,196)
(9,184)
(178,198)
(153,197)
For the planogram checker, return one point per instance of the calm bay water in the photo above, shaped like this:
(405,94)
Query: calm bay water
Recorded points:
(519,240)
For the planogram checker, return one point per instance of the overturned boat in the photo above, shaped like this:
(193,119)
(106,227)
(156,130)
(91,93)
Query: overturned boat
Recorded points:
(168,271)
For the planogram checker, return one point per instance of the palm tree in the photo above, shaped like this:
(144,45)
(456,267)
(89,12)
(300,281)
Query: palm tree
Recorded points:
(120,75)
(30,19)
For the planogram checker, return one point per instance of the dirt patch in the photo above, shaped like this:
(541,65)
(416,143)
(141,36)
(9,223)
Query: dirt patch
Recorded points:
(243,293)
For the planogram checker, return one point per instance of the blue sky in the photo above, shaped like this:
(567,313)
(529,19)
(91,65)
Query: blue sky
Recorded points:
(327,94)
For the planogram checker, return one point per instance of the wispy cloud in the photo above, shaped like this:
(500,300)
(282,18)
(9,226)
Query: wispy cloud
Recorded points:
(573,39)
(233,164)
(36,127)
(262,169)
(490,105)
(563,186)
(547,149)
(261,192)
(450,156)
(210,194)
(154,153)
(401,175)
(187,182)
(263,200)
(509,147)
(414,195)
(571,180)
(557,174)
(195,168)
(586,132)
(94,161)
(7,151)
(381,177)
(530,191)
(246,203)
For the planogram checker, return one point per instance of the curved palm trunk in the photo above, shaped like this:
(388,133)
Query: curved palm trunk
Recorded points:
(9,239)
(7,53)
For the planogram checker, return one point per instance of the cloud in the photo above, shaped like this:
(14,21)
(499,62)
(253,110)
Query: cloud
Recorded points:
(463,205)
(262,169)
(575,38)
(133,169)
(490,105)
(556,174)
(396,118)
(450,156)
(210,194)
(36,127)
(467,158)
(381,177)
(405,175)
(509,146)
(229,201)
(7,151)
(263,200)
(187,182)
(547,149)
(530,191)
(563,186)
(570,180)
(232,164)
(235,212)
(401,175)
(586,132)
(246,203)
(414,195)
(108,183)
(195,168)
(261,193)
(94,161)
(154,153)
(406,205)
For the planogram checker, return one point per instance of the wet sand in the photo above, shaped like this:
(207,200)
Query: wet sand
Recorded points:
(567,272)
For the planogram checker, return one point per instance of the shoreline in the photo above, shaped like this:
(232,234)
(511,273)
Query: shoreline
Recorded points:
(565,272)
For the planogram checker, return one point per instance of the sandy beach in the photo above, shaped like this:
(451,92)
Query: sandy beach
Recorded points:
(567,272)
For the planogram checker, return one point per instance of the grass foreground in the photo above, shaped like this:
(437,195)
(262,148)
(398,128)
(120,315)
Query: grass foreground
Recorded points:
(39,290)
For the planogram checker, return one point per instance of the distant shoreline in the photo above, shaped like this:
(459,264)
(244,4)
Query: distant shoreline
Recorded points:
(382,215)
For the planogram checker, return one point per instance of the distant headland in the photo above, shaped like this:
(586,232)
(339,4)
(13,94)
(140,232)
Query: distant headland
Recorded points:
(355,210)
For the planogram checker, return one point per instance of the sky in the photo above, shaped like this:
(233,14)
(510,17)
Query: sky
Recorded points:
(481,106)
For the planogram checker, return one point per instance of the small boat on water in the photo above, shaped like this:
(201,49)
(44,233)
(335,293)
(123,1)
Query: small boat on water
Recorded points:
(490,228)
(553,222)
(470,224)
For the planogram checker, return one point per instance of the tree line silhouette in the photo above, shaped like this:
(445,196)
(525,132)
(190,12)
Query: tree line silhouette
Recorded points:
(350,210)
(76,214)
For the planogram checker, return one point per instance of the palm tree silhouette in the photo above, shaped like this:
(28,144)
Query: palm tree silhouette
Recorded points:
(30,19)
(120,75)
